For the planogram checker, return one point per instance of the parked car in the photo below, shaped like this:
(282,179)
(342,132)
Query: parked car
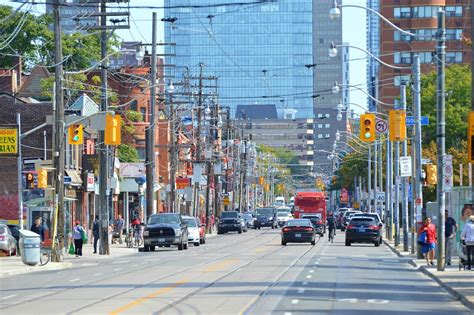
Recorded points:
(266,217)
(229,221)
(243,223)
(345,218)
(193,230)
(8,243)
(363,230)
(316,221)
(15,229)
(248,219)
(165,229)
(282,217)
(298,231)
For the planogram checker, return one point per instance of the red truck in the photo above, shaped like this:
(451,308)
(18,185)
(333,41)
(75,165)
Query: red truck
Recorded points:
(311,204)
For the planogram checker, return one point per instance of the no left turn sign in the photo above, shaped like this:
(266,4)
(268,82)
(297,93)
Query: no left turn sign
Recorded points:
(381,126)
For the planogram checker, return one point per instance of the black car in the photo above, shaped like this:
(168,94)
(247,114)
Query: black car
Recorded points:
(363,230)
(316,221)
(165,229)
(229,221)
(266,217)
(298,231)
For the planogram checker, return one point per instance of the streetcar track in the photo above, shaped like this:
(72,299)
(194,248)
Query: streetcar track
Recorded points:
(61,290)
(174,304)
(144,285)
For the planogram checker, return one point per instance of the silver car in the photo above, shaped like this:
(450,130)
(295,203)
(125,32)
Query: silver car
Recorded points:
(7,241)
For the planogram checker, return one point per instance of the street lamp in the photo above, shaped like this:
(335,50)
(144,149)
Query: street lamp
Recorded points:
(335,12)
(332,50)
(335,88)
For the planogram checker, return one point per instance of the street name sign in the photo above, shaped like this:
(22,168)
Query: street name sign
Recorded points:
(410,121)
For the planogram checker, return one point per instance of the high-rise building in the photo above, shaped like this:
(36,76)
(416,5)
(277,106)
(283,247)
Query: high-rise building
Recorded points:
(327,72)
(373,46)
(262,53)
(420,17)
(76,15)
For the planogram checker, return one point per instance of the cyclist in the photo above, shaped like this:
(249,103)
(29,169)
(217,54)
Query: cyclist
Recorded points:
(136,226)
(331,225)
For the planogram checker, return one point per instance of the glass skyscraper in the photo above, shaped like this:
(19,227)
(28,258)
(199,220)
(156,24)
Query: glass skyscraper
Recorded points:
(261,53)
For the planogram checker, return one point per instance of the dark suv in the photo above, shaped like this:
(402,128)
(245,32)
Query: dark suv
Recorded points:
(165,229)
(266,217)
(229,221)
(363,230)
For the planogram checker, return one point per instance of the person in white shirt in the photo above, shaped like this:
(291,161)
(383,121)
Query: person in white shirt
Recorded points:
(468,236)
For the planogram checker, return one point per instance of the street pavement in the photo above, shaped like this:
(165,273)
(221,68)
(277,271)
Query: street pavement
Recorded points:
(249,273)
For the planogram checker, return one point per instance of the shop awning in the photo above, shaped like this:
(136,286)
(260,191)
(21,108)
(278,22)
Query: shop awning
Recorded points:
(75,178)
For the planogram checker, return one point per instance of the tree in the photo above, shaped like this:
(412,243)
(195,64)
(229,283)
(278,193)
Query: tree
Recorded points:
(127,151)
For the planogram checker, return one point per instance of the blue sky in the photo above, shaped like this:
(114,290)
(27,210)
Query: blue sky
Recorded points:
(353,33)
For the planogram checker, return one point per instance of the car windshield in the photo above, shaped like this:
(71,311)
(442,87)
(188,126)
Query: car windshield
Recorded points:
(230,214)
(2,230)
(300,222)
(247,216)
(190,222)
(282,214)
(169,218)
(374,216)
(348,213)
(362,221)
(265,211)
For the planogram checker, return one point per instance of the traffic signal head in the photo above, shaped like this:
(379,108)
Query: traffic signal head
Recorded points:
(431,174)
(42,178)
(397,125)
(470,137)
(367,128)
(30,180)
(112,129)
(76,134)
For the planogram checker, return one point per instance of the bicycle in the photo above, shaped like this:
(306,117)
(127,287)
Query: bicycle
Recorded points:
(331,235)
(134,238)
(46,251)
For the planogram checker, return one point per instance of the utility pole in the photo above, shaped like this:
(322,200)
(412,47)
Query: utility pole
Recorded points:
(173,166)
(150,135)
(369,177)
(403,101)
(388,187)
(198,147)
(58,131)
(396,208)
(440,132)
(20,174)
(375,176)
(103,149)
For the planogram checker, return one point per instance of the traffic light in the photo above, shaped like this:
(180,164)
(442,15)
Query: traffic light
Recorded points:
(42,178)
(397,125)
(431,174)
(367,127)
(75,134)
(470,138)
(112,129)
(30,180)
(261,180)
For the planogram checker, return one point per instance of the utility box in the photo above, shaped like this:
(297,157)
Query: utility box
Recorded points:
(30,244)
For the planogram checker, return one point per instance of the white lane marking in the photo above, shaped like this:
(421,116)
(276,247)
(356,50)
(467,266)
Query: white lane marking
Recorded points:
(117,269)
(287,313)
(305,283)
(97,274)
(311,271)
(375,301)
(301,290)
(294,301)
(74,280)
(7,297)
(120,262)
(309,276)
(316,263)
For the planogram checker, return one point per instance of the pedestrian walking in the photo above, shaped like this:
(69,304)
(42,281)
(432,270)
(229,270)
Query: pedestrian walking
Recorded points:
(119,227)
(450,229)
(95,232)
(429,244)
(38,228)
(467,235)
(78,234)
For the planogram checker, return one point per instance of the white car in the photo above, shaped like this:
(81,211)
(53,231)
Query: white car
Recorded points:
(282,217)
(193,230)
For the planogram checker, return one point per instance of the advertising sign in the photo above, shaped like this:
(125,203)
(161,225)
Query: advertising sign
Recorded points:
(8,141)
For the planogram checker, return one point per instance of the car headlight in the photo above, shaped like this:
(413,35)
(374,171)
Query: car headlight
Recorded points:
(177,232)
(146,233)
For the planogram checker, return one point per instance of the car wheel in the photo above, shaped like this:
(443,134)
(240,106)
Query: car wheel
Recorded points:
(240,231)
(197,243)
(348,243)
(283,243)
(377,243)
(146,248)
(342,229)
(152,248)
(313,242)
(204,240)
(181,246)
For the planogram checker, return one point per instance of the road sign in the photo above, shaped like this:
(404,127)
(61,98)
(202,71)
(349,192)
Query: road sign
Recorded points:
(448,172)
(381,126)
(425,161)
(381,196)
(8,141)
(226,201)
(411,121)
(405,166)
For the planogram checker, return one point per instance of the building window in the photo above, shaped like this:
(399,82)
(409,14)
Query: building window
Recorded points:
(143,112)
(328,136)
(327,115)
(327,126)
(403,12)
(426,57)
(320,136)
(320,125)
(453,34)
(454,57)
(453,11)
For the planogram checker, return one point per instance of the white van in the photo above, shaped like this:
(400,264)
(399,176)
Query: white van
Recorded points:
(279,201)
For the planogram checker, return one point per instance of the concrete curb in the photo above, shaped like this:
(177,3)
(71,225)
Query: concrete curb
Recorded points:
(30,269)
(454,293)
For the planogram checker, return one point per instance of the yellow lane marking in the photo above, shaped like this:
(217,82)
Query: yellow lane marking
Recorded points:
(141,300)
(220,265)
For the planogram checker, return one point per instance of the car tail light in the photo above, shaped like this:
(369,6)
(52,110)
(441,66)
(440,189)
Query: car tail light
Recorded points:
(374,227)
(309,229)
(2,237)
(285,230)
(350,227)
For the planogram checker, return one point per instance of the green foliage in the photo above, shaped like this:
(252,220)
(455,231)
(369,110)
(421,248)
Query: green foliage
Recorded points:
(127,153)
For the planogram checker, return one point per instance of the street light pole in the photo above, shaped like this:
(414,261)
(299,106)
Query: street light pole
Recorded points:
(369,178)
(440,132)
(388,187)
(403,101)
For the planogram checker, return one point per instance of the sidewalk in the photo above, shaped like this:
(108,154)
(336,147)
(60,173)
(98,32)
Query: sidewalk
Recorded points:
(10,266)
(459,283)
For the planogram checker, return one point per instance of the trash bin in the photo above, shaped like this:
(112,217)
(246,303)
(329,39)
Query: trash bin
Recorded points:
(30,243)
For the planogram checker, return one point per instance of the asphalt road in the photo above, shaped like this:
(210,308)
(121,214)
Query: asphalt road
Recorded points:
(250,273)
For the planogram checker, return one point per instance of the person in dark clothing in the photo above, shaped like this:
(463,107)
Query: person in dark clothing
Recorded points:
(331,225)
(450,228)
(95,232)
(38,228)
(77,235)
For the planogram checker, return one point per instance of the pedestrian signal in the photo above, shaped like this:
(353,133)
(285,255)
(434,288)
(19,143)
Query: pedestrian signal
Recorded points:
(75,134)
(367,128)
(397,125)
(42,179)
(112,129)
(30,180)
